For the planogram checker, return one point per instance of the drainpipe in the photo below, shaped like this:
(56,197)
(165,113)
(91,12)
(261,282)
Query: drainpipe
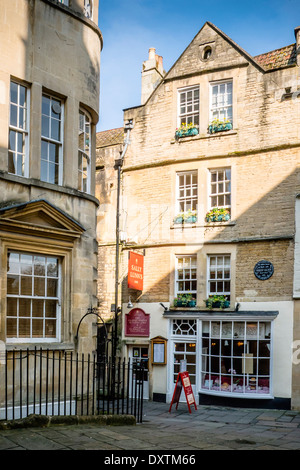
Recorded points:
(118,166)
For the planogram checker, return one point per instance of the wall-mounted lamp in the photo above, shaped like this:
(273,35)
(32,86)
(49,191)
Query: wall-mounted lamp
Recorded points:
(129,305)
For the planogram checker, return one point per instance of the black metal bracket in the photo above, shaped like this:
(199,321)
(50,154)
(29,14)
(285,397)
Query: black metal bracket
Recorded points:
(91,311)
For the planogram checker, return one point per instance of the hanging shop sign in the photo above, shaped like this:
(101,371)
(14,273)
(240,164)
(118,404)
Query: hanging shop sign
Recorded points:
(135,271)
(263,270)
(137,323)
(183,382)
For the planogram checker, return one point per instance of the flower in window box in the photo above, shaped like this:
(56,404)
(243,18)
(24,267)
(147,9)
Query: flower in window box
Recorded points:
(184,300)
(218,125)
(180,301)
(186,217)
(218,214)
(186,130)
(217,301)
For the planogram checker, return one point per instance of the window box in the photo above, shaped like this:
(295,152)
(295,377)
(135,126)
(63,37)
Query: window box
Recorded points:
(217,301)
(188,217)
(219,126)
(218,215)
(185,300)
(186,130)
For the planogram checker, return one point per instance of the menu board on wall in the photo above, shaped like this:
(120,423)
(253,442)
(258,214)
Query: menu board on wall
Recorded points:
(159,350)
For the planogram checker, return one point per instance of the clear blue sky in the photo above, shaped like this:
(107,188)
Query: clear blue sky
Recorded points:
(131,27)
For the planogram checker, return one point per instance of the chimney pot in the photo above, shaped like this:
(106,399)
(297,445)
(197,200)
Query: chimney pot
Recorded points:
(152,73)
(152,53)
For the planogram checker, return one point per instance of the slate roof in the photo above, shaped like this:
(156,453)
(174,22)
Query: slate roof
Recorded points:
(278,58)
(110,137)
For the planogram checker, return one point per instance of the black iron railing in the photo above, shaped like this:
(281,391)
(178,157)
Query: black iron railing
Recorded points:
(51,382)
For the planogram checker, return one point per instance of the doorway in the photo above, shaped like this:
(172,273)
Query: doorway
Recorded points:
(139,355)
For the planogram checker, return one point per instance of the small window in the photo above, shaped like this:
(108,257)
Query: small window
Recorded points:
(189,106)
(220,188)
(84,152)
(207,53)
(88,8)
(186,275)
(187,191)
(219,275)
(33,285)
(221,101)
(18,154)
(52,139)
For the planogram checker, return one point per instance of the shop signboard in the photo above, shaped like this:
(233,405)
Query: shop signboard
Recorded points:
(135,271)
(183,382)
(137,323)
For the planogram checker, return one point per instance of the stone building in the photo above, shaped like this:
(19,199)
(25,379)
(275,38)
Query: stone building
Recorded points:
(210,194)
(49,100)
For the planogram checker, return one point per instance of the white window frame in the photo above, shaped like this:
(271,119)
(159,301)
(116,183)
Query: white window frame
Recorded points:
(220,330)
(84,154)
(191,115)
(226,108)
(58,143)
(187,200)
(189,279)
(221,268)
(225,191)
(88,9)
(19,130)
(57,298)
(64,2)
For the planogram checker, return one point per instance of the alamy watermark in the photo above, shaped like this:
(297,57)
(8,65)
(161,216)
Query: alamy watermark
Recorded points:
(296,352)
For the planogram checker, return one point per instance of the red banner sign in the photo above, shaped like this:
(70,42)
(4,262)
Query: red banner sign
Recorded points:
(183,381)
(137,323)
(135,271)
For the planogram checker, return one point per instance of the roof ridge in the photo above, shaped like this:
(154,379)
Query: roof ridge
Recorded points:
(110,130)
(275,50)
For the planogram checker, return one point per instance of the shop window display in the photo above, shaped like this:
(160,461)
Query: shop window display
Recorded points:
(236,357)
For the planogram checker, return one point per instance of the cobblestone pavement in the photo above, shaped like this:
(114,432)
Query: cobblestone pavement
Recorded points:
(207,428)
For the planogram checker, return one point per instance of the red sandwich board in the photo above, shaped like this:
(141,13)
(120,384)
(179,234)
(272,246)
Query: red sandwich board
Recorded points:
(183,380)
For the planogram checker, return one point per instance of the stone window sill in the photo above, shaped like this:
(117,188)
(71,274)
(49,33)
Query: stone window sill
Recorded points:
(203,137)
(201,225)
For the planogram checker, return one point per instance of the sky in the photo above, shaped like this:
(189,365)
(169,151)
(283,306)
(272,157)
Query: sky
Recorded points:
(131,27)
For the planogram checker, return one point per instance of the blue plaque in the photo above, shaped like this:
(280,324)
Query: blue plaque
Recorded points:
(263,270)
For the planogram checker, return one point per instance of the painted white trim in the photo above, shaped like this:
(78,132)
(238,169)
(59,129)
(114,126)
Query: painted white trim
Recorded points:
(19,130)
(214,83)
(209,183)
(57,299)
(60,142)
(184,173)
(183,90)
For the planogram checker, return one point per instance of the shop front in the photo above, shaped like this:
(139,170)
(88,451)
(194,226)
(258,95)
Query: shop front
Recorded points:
(228,356)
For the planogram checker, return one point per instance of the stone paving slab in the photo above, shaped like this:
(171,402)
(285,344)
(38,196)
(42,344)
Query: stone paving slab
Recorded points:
(207,428)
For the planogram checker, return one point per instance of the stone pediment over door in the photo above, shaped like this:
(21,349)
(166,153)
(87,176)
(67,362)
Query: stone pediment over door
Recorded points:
(39,218)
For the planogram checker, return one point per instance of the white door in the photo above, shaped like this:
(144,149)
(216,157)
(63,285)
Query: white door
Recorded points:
(185,351)
(139,355)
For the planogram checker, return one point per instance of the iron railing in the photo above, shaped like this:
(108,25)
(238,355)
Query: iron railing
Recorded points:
(51,382)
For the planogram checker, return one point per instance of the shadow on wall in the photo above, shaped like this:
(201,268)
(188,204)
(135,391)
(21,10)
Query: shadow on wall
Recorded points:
(264,231)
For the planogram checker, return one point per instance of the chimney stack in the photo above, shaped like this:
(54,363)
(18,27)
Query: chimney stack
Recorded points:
(152,74)
(297,36)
